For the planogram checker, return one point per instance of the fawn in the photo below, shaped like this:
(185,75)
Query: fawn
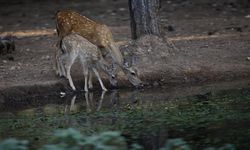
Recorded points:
(74,46)
(68,21)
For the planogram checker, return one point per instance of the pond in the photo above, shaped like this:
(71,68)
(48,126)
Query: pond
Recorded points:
(203,116)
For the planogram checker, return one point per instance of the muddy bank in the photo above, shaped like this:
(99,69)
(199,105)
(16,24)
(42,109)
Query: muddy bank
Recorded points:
(158,63)
(14,102)
(211,40)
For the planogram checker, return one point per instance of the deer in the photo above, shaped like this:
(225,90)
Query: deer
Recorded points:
(68,21)
(74,46)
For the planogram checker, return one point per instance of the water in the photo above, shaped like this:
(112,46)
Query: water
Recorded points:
(207,115)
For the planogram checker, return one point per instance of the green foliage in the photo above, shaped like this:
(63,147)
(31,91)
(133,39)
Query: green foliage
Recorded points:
(225,147)
(70,136)
(13,144)
(136,146)
(72,139)
(176,144)
(179,144)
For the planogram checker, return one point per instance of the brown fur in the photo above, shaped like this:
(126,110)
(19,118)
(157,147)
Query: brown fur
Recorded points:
(68,21)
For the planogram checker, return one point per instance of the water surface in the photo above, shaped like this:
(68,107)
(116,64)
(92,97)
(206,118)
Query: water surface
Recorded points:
(206,115)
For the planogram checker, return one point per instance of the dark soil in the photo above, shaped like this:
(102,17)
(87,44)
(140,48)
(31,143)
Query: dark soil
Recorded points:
(211,39)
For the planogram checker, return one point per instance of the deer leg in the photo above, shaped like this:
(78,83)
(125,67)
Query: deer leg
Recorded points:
(69,62)
(60,63)
(86,73)
(90,80)
(56,64)
(99,79)
(59,66)
(109,71)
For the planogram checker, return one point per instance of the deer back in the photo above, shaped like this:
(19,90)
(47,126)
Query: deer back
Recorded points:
(72,22)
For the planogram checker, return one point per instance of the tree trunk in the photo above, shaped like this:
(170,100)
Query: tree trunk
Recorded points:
(144,17)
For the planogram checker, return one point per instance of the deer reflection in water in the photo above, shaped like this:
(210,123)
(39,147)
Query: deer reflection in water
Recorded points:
(93,102)
(90,103)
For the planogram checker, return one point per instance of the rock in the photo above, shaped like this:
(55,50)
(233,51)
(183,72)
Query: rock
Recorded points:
(170,28)
(247,16)
(122,9)
(239,29)
(211,32)
(62,94)
(7,44)
(17,25)
(47,57)
(155,83)
(13,68)
(109,10)
(11,58)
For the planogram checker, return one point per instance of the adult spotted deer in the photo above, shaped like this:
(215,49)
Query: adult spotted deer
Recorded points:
(74,46)
(68,21)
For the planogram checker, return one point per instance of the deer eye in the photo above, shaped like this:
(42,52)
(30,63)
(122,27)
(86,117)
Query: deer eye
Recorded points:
(133,73)
(113,76)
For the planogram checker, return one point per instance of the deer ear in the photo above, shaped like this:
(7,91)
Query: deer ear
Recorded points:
(132,72)
(106,67)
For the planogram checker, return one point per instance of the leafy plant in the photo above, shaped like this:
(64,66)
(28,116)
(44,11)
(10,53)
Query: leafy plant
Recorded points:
(13,144)
(72,139)
(176,144)
(136,146)
(225,147)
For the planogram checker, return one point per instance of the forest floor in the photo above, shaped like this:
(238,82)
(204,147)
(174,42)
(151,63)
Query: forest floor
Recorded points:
(205,28)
